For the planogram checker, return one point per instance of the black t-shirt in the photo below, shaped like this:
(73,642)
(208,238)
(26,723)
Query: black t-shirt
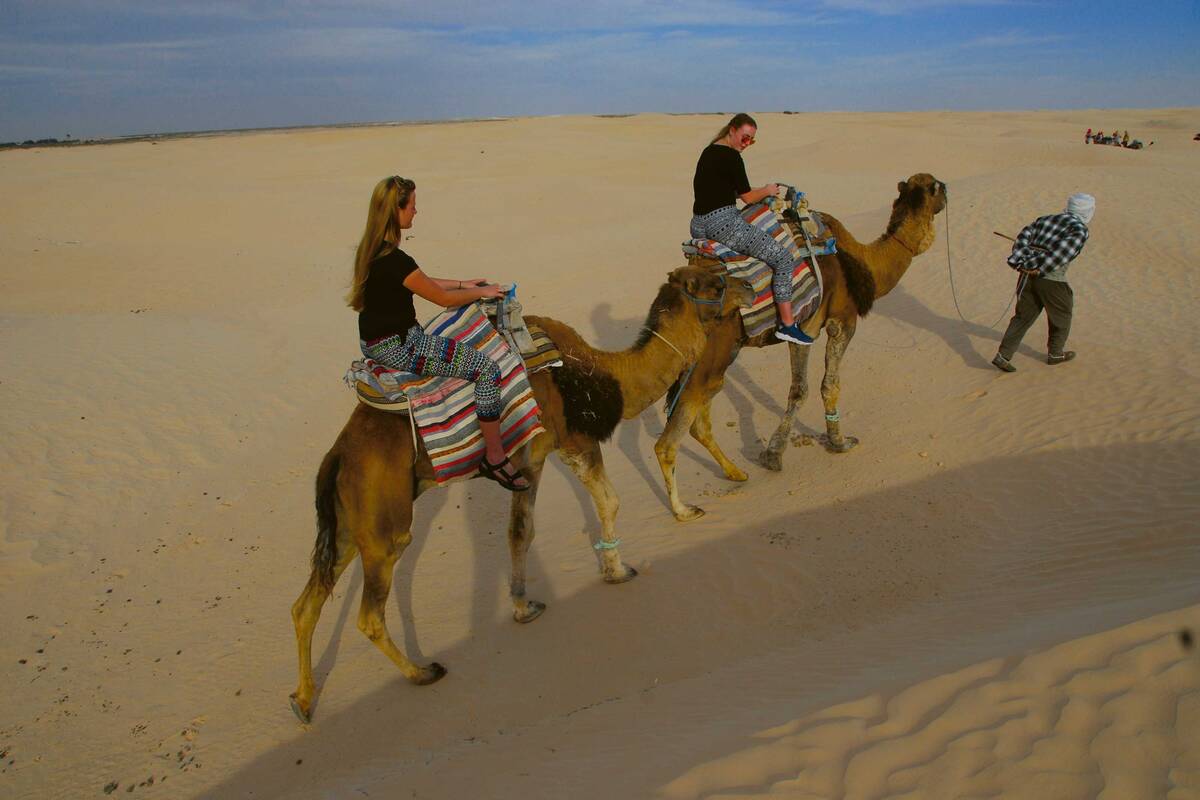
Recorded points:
(720,178)
(387,302)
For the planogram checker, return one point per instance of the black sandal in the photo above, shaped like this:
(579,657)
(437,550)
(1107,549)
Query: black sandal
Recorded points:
(495,472)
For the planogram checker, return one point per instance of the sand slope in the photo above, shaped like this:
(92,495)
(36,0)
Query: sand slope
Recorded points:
(980,599)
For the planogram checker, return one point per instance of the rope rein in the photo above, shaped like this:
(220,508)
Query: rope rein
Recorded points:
(954,291)
(665,339)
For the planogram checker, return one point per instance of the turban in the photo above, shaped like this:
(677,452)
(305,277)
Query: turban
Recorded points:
(1082,205)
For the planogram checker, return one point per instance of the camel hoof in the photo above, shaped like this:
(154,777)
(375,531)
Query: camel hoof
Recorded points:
(735,474)
(689,513)
(533,610)
(301,714)
(772,460)
(431,674)
(629,574)
(842,446)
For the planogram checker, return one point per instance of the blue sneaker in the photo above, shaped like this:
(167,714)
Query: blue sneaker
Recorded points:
(792,333)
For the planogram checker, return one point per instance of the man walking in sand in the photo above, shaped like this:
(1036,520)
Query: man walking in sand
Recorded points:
(1042,252)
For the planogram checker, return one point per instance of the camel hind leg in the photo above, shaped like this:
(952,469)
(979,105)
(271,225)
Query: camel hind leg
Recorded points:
(588,465)
(378,563)
(521,531)
(306,611)
(772,457)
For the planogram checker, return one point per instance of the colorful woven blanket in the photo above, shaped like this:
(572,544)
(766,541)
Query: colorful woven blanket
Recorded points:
(806,282)
(444,408)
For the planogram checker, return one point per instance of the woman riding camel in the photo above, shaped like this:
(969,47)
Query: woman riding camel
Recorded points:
(385,280)
(721,181)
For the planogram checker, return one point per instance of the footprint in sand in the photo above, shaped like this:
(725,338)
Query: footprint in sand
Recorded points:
(975,395)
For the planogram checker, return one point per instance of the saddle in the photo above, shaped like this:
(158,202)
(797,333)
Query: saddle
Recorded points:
(811,238)
(442,410)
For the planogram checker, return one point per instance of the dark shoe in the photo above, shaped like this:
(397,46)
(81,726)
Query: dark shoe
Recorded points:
(792,333)
(1064,358)
(498,473)
(1003,364)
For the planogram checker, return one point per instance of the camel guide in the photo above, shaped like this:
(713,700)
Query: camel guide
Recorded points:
(385,280)
(1042,252)
(720,181)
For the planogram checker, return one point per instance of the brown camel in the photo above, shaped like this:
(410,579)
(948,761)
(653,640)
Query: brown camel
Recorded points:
(853,279)
(369,479)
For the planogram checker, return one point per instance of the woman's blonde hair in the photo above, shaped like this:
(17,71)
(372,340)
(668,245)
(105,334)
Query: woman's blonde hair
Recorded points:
(382,234)
(737,121)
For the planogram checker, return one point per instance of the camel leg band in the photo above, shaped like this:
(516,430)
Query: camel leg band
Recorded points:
(834,417)
(603,545)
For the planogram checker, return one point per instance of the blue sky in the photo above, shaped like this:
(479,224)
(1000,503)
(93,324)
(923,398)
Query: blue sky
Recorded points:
(93,68)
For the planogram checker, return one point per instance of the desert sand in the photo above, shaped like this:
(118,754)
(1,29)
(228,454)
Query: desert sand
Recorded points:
(985,598)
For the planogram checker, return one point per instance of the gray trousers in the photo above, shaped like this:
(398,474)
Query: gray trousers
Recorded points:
(1057,299)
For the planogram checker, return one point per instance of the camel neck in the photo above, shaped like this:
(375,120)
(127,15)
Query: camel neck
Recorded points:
(645,372)
(890,255)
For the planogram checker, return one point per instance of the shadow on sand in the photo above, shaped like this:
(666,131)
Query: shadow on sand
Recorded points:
(942,539)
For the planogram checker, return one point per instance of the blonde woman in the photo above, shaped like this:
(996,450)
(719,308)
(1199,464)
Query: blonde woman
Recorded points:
(720,181)
(385,280)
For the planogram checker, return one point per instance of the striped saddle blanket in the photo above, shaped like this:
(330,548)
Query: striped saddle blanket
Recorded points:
(806,281)
(444,408)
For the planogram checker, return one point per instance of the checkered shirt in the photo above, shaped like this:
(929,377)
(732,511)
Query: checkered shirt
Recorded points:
(1058,238)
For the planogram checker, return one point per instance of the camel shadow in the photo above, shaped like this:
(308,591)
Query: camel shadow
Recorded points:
(613,638)
(902,306)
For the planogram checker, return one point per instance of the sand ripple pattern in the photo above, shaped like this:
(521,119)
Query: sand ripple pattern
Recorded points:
(1115,715)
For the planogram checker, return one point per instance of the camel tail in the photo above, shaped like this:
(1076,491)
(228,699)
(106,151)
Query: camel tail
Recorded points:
(324,554)
(859,281)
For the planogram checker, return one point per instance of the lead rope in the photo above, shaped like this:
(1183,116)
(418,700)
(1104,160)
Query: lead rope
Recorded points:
(954,292)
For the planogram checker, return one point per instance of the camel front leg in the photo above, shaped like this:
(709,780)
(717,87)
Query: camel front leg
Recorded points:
(306,611)
(702,432)
(772,457)
(521,531)
(667,448)
(378,563)
(588,466)
(840,333)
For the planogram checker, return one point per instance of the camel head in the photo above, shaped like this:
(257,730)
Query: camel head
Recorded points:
(921,198)
(715,295)
(922,195)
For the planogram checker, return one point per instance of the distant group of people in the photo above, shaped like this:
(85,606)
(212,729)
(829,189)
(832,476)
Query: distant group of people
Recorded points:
(1116,138)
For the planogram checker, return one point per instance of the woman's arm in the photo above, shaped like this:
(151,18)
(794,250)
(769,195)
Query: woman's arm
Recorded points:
(432,290)
(454,283)
(754,195)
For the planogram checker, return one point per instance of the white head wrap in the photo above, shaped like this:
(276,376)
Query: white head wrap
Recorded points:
(1082,205)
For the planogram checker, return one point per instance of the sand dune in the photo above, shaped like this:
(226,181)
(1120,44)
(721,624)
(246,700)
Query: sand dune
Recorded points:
(981,599)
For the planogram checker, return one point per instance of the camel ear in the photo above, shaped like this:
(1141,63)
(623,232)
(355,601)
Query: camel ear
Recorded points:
(673,277)
(692,285)
(901,186)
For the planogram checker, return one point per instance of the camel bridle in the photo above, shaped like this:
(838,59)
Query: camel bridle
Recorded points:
(701,301)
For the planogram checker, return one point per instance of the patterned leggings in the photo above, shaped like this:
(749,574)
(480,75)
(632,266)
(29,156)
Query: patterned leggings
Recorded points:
(726,225)
(422,354)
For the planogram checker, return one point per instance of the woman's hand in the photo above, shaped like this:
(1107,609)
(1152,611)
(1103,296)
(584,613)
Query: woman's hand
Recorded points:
(489,291)
(771,189)
(468,282)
